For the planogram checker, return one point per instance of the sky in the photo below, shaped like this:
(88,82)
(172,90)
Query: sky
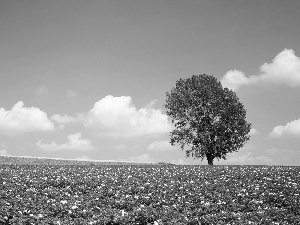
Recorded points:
(88,79)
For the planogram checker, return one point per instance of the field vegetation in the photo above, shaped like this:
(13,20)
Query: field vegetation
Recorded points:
(147,194)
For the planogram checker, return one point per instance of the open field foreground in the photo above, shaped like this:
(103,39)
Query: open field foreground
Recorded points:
(149,194)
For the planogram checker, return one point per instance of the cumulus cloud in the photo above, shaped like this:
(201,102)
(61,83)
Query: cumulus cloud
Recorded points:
(41,90)
(21,120)
(75,142)
(253,131)
(117,116)
(290,129)
(141,158)
(3,152)
(160,146)
(284,69)
(63,120)
(233,79)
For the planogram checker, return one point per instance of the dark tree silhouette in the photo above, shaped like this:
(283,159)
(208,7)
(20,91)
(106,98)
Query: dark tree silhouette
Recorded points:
(209,119)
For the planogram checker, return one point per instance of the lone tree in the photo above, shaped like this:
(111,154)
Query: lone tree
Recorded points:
(209,119)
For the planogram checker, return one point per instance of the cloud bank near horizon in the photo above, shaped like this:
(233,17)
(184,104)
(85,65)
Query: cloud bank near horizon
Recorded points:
(74,142)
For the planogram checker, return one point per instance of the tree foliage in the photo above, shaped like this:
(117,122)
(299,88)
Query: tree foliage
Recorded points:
(209,119)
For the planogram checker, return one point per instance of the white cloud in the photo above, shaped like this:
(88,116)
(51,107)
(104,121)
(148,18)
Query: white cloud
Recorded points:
(75,142)
(233,79)
(62,120)
(71,93)
(41,90)
(141,158)
(152,103)
(253,131)
(3,152)
(160,146)
(178,162)
(284,69)
(117,116)
(21,120)
(290,129)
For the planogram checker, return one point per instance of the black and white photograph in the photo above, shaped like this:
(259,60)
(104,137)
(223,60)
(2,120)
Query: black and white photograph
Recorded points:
(149,112)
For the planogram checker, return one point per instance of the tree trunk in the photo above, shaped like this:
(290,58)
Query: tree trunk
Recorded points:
(210,159)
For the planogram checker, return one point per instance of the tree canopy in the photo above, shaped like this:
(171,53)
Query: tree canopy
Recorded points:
(209,120)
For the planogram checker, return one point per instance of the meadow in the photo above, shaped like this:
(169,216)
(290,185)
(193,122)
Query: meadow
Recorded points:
(52,192)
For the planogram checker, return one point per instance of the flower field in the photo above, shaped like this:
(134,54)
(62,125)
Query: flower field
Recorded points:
(149,194)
